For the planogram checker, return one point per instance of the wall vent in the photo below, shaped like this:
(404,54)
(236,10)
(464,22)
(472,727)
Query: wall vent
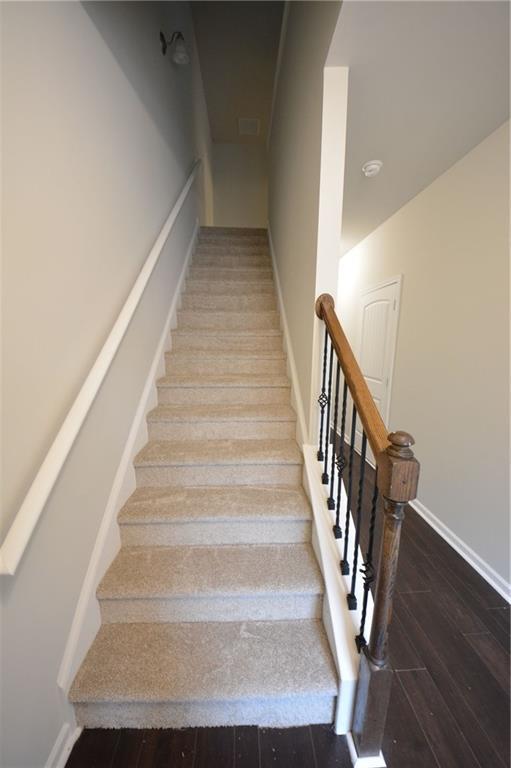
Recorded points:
(249,126)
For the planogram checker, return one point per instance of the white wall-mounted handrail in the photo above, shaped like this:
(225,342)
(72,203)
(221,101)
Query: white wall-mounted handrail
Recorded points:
(24,523)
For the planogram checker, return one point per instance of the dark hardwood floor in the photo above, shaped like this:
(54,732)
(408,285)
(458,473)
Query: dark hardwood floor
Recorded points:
(449,707)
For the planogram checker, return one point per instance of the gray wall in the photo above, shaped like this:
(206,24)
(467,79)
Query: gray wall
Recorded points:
(240,173)
(98,140)
(294,172)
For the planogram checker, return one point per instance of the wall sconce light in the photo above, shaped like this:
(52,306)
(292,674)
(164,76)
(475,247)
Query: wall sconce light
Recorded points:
(178,52)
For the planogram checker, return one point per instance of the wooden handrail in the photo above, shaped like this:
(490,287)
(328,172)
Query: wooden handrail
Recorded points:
(397,479)
(398,470)
(367,411)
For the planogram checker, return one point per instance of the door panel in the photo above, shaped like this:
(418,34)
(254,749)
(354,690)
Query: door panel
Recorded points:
(377,337)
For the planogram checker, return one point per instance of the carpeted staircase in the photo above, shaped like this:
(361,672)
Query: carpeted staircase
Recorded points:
(211,610)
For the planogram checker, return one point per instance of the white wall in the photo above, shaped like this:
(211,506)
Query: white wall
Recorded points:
(240,185)
(294,172)
(451,379)
(98,140)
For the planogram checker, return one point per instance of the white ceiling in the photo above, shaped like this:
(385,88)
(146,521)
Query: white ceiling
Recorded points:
(238,45)
(427,82)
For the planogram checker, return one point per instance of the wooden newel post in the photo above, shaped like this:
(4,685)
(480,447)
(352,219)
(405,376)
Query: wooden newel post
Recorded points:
(398,475)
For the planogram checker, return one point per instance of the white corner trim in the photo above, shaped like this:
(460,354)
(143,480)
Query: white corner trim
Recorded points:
(296,394)
(485,570)
(24,523)
(64,743)
(86,617)
(363,762)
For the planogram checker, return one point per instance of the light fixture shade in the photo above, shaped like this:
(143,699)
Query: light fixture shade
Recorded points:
(178,51)
(372,168)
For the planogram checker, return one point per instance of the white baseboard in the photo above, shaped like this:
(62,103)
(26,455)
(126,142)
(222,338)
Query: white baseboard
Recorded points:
(86,620)
(64,743)
(485,570)
(296,395)
(363,762)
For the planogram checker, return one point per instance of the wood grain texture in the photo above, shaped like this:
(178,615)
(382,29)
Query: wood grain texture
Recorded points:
(95,749)
(285,747)
(436,720)
(368,413)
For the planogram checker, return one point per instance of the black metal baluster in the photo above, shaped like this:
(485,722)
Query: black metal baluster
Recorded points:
(352,600)
(324,476)
(331,500)
(368,568)
(322,400)
(345,566)
(341,463)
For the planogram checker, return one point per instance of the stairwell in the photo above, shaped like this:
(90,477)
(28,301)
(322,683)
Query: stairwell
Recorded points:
(211,611)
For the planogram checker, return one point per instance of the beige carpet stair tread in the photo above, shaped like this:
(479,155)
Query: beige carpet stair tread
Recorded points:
(215,503)
(197,661)
(228,333)
(218,453)
(224,380)
(241,231)
(229,355)
(231,273)
(222,286)
(212,413)
(246,570)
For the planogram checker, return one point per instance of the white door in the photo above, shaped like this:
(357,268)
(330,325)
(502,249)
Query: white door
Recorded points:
(378,315)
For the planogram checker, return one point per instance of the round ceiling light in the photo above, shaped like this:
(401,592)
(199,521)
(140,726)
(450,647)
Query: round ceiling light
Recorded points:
(372,168)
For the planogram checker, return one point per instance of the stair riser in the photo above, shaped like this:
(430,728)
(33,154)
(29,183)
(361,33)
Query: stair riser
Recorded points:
(227,321)
(214,533)
(278,712)
(245,474)
(219,430)
(228,343)
(233,248)
(227,365)
(275,607)
(223,395)
(229,302)
(222,259)
(233,274)
(226,287)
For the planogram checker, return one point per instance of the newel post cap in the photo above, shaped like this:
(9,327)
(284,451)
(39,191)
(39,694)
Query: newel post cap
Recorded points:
(322,301)
(400,445)
(398,469)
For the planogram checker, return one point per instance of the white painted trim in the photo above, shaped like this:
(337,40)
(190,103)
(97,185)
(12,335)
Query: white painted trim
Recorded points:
(21,530)
(282,42)
(341,624)
(86,619)
(485,570)
(63,745)
(363,762)
(296,395)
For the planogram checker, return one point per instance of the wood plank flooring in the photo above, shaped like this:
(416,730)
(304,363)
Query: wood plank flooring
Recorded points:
(449,708)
